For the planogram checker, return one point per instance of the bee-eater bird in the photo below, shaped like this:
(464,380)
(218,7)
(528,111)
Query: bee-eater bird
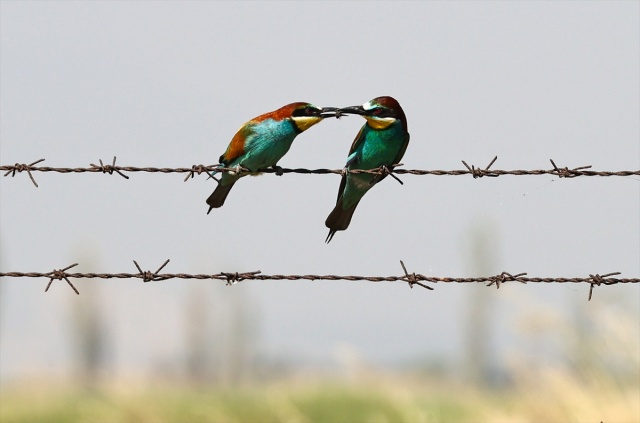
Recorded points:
(382,141)
(262,141)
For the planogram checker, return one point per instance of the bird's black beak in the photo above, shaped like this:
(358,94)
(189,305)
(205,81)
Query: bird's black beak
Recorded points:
(326,112)
(352,110)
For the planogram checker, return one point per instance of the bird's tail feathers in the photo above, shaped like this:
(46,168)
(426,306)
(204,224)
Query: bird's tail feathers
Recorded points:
(339,219)
(216,199)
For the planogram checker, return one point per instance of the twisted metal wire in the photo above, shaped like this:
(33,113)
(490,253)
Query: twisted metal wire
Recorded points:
(411,279)
(476,172)
(234,277)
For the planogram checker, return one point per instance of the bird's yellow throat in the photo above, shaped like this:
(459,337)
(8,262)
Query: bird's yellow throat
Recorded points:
(379,123)
(305,122)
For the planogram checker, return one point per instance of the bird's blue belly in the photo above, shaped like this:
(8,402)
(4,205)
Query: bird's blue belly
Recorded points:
(269,142)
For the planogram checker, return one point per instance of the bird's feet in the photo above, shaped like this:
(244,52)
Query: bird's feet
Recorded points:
(239,169)
(278,170)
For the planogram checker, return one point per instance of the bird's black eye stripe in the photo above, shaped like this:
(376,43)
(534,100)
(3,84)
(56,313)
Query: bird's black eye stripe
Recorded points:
(306,111)
(382,112)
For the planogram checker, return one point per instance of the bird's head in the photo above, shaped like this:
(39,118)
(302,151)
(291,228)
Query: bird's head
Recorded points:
(379,112)
(304,115)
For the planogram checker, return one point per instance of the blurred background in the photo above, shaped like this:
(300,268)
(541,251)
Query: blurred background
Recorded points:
(167,84)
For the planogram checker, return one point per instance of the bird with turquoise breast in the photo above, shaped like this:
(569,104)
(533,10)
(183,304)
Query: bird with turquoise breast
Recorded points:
(262,142)
(381,142)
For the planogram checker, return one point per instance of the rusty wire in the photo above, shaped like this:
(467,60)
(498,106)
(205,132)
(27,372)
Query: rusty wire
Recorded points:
(475,172)
(234,277)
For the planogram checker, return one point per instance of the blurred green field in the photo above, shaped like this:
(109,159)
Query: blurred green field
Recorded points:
(547,397)
(587,372)
(318,404)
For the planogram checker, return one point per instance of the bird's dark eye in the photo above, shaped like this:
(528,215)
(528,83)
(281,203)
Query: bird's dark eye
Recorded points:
(303,111)
(377,112)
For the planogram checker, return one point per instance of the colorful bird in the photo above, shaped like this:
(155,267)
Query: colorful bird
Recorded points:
(382,141)
(262,141)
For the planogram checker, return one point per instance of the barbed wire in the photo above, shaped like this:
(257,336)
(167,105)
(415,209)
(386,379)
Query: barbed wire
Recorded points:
(476,172)
(234,277)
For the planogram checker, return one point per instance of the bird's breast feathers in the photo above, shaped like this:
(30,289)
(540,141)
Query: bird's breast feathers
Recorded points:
(267,143)
(266,138)
(380,147)
(271,132)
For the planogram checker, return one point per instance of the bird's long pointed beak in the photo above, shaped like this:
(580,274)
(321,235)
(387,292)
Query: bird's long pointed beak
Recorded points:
(352,110)
(326,112)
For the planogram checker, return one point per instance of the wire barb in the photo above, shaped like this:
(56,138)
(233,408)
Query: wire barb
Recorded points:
(109,168)
(565,172)
(212,175)
(412,279)
(504,277)
(149,276)
(479,173)
(597,280)
(59,275)
(383,171)
(198,169)
(233,278)
(19,167)
(191,171)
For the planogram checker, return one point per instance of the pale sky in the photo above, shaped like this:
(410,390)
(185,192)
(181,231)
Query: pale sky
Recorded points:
(169,83)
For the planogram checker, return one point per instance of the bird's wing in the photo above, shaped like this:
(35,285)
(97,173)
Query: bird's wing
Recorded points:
(352,158)
(402,150)
(237,144)
(359,139)
(343,182)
